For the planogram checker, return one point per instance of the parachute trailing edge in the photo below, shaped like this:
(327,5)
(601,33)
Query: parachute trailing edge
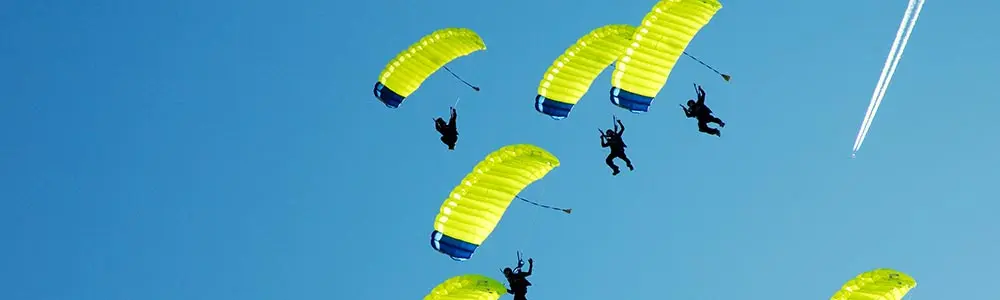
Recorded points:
(474,207)
(408,70)
(572,73)
(658,42)
(468,287)
(884,284)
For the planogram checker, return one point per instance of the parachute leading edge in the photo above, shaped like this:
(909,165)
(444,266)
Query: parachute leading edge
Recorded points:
(656,45)
(886,284)
(408,70)
(571,74)
(469,286)
(476,205)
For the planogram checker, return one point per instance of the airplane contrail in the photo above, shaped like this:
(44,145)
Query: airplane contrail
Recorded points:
(889,69)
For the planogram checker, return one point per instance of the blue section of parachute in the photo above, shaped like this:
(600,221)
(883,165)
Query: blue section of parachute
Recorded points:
(631,101)
(388,97)
(456,249)
(555,109)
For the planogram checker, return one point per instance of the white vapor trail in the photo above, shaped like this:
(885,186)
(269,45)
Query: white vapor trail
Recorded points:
(889,69)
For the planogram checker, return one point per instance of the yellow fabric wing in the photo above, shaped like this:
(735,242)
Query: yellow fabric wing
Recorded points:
(476,205)
(572,73)
(408,70)
(468,287)
(878,284)
(656,45)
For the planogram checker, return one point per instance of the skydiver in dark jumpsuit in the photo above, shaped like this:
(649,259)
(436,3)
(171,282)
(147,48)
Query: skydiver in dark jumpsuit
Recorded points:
(449,131)
(704,114)
(518,280)
(613,139)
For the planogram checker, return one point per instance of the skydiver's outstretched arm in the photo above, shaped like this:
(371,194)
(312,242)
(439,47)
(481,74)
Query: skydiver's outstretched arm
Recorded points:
(620,132)
(686,111)
(438,125)
(604,142)
(454,115)
(531,265)
(701,95)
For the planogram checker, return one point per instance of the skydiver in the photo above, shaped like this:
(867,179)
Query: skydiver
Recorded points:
(704,114)
(518,281)
(449,131)
(613,139)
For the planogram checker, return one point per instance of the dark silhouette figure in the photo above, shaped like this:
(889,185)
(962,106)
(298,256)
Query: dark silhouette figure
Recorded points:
(704,114)
(613,139)
(449,131)
(518,281)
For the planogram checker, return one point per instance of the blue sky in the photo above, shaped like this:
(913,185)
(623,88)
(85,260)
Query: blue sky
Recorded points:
(233,150)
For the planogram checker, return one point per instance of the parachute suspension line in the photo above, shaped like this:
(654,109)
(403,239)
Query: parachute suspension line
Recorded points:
(520,262)
(724,76)
(460,78)
(456,102)
(566,210)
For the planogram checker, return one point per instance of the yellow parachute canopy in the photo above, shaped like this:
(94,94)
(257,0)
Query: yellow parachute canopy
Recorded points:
(878,284)
(661,38)
(570,76)
(476,205)
(405,73)
(468,287)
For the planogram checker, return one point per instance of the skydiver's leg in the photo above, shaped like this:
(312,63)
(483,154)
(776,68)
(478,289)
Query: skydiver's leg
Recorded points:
(703,127)
(713,119)
(611,163)
(449,140)
(628,162)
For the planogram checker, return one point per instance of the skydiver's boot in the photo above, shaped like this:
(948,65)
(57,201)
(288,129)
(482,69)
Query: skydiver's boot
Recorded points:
(713,119)
(615,171)
(712,131)
(628,162)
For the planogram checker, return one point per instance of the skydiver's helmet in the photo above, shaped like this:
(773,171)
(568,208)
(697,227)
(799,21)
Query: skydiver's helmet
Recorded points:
(690,103)
(507,272)
(609,132)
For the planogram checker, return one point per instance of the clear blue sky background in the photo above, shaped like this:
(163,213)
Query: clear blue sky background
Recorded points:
(234,150)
